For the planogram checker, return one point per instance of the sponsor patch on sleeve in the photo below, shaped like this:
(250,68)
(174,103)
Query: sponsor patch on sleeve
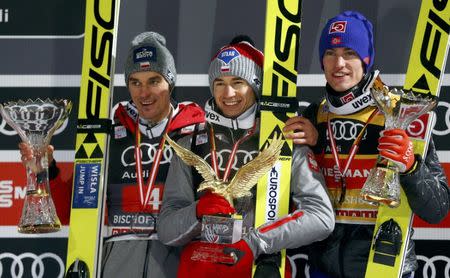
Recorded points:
(313,165)
(187,130)
(201,139)
(120,132)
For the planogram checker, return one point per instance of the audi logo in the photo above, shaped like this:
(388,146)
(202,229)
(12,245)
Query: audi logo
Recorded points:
(429,269)
(20,263)
(346,130)
(241,155)
(445,131)
(5,129)
(148,152)
(299,257)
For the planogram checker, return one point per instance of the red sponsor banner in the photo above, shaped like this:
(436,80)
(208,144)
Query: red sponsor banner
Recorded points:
(417,129)
(355,176)
(12,192)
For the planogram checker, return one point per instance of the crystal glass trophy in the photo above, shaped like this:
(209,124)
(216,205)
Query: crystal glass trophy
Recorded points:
(400,109)
(35,121)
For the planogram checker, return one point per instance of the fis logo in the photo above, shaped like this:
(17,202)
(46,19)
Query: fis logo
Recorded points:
(4,15)
(95,87)
(287,43)
(435,27)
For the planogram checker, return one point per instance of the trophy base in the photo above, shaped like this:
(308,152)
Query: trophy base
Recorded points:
(223,230)
(373,199)
(39,229)
(38,214)
(382,187)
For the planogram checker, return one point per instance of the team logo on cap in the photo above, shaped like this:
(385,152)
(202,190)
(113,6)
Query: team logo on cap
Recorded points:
(338,27)
(144,54)
(257,82)
(170,75)
(336,40)
(226,56)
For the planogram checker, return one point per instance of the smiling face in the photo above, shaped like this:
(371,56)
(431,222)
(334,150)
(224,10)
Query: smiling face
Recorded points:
(151,95)
(233,95)
(343,68)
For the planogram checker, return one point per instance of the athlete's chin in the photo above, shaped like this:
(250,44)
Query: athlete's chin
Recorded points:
(148,114)
(232,113)
(341,86)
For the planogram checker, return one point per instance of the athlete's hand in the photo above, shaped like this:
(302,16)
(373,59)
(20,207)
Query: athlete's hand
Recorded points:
(303,131)
(213,204)
(394,145)
(26,153)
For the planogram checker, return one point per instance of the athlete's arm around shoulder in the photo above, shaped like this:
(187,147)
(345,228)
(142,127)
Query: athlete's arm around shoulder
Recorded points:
(177,222)
(426,187)
(313,218)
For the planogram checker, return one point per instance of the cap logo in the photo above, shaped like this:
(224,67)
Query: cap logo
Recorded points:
(170,75)
(336,40)
(144,54)
(348,97)
(257,82)
(338,27)
(145,65)
(228,54)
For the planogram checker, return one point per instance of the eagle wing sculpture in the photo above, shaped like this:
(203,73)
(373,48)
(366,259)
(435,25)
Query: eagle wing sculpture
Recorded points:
(248,175)
(194,160)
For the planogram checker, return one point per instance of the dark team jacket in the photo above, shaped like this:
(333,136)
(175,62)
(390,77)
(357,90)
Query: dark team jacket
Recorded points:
(345,252)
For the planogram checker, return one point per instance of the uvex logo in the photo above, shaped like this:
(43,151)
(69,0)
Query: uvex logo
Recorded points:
(212,116)
(359,102)
(432,38)
(283,48)
(100,53)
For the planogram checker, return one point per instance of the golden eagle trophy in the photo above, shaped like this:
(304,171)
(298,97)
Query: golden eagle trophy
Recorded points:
(217,229)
